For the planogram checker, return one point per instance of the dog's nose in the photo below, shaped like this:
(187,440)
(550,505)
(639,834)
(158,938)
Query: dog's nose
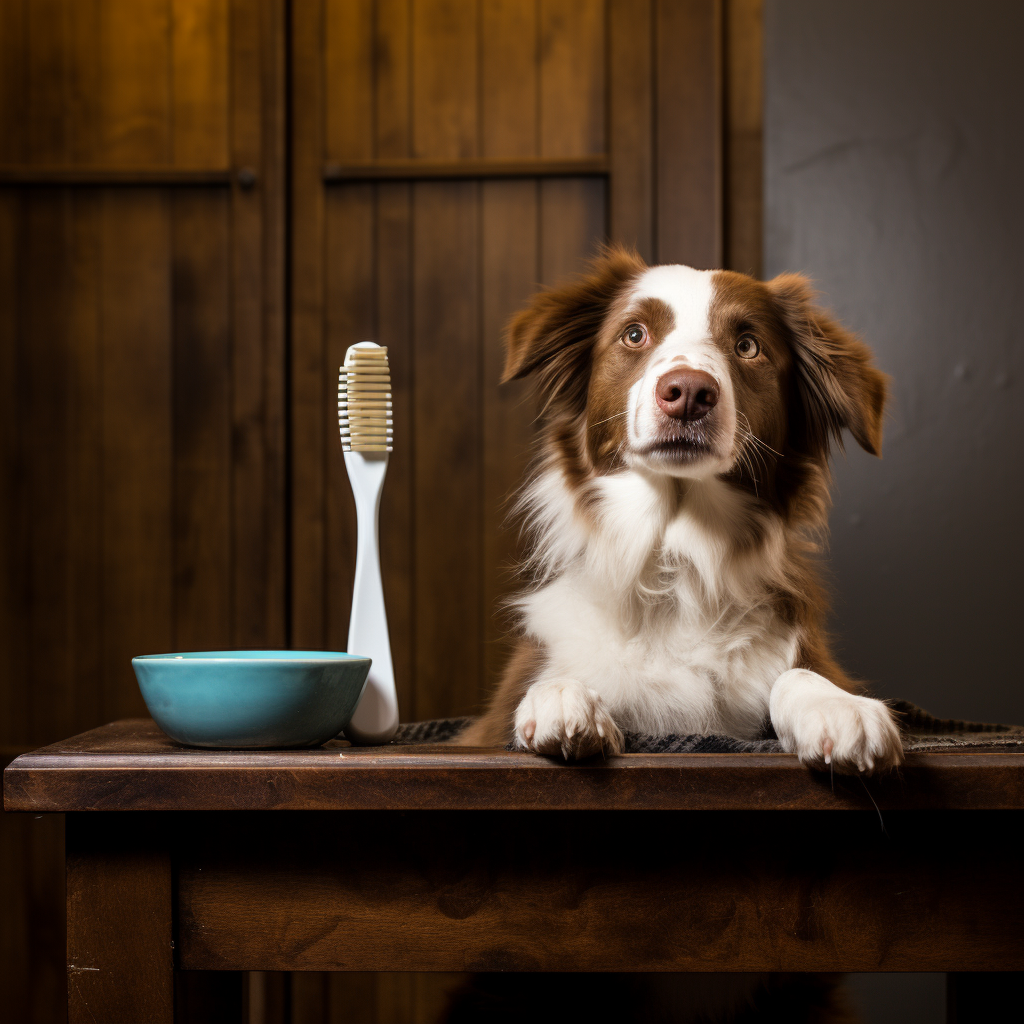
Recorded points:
(686,394)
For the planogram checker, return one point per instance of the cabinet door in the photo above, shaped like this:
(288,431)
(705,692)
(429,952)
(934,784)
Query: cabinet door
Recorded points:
(449,158)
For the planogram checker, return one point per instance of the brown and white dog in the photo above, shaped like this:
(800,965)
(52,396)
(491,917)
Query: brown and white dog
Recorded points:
(687,422)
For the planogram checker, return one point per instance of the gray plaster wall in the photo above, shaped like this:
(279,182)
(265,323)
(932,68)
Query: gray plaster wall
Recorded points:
(894,167)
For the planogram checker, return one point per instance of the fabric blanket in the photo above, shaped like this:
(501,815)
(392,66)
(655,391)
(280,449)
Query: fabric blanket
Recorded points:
(921,731)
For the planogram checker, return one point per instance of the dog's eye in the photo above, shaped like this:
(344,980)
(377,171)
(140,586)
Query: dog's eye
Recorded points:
(747,347)
(634,336)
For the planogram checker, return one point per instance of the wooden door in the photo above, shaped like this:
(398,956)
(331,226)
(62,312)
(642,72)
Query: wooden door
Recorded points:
(449,158)
(141,384)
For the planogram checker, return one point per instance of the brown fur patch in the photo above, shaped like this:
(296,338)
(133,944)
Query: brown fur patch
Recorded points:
(615,369)
(495,727)
(554,336)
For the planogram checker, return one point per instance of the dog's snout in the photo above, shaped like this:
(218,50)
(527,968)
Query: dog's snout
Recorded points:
(686,394)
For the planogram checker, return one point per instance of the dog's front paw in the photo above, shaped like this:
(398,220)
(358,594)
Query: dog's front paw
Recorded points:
(562,717)
(824,725)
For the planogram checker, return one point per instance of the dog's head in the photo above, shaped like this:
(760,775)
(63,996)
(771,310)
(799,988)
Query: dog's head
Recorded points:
(694,373)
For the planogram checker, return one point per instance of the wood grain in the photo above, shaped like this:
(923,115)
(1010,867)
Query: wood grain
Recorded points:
(201,427)
(743,75)
(131,765)
(422,170)
(661,892)
(137,530)
(38,176)
(120,951)
(447,413)
(631,124)
(444,67)
(309,428)
(688,126)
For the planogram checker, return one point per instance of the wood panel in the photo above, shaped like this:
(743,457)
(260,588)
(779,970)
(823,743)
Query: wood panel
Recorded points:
(119,914)
(32,935)
(139,340)
(467,891)
(141,332)
(132,766)
(688,127)
(743,142)
(114,83)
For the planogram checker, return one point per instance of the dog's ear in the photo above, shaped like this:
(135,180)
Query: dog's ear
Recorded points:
(554,335)
(836,385)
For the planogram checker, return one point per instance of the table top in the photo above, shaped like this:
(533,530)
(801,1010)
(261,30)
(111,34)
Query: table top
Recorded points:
(131,765)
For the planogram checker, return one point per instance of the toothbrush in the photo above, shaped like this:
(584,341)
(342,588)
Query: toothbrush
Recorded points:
(364,419)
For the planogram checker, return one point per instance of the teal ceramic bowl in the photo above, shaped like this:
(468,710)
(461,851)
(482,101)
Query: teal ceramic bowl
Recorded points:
(251,699)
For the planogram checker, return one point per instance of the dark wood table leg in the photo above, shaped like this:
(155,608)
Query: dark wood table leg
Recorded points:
(208,997)
(982,997)
(120,921)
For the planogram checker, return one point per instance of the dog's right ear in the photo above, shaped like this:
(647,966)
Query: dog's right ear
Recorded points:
(554,335)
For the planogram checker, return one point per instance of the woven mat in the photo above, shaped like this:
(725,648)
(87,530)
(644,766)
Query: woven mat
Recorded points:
(921,731)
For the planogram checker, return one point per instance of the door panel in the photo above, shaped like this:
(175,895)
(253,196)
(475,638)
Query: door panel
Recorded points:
(145,451)
(115,83)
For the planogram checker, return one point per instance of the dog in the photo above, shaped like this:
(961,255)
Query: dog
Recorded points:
(677,510)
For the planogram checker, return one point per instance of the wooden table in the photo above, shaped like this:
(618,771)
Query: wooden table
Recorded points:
(440,859)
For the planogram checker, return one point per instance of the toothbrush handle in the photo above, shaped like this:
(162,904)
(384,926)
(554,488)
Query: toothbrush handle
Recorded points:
(376,717)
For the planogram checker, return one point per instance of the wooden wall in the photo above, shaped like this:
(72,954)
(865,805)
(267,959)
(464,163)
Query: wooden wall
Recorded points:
(202,204)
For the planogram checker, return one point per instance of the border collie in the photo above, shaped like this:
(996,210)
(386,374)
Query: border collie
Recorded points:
(676,511)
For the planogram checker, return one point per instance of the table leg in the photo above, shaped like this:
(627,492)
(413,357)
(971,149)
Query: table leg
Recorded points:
(982,997)
(119,906)
(209,997)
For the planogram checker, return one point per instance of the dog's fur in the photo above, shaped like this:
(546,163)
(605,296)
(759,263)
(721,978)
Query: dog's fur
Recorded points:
(674,582)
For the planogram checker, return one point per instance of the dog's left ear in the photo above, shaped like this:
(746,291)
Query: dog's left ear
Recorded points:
(836,384)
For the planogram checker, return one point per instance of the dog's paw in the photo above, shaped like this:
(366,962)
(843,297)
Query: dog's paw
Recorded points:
(826,726)
(564,718)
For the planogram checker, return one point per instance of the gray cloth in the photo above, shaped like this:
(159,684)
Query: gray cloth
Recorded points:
(921,731)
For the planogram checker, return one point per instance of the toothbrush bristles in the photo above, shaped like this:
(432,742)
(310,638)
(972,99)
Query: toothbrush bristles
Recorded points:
(364,400)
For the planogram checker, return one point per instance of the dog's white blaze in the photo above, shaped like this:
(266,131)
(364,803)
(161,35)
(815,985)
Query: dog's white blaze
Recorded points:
(689,294)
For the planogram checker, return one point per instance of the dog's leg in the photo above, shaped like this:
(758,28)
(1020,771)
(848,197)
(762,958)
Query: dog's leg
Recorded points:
(824,725)
(564,718)
(495,727)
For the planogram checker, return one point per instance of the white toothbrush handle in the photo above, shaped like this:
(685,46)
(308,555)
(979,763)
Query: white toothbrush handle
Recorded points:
(376,718)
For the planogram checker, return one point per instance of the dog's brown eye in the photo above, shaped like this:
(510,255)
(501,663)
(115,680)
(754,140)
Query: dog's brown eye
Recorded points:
(747,347)
(634,336)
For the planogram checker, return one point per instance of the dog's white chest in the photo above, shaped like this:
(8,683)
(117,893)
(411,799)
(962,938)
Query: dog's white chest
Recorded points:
(672,670)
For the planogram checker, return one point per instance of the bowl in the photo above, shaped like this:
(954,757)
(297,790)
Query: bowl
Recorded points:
(251,699)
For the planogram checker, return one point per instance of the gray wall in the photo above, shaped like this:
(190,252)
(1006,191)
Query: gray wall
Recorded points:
(893,175)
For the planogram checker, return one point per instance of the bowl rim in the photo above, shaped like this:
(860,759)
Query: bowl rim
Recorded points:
(267,657)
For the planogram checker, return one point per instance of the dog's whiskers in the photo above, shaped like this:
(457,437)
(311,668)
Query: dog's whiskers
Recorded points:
(753,437)
(615,417)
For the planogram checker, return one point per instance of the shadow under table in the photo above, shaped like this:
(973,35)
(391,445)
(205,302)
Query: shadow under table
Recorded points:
(446,859)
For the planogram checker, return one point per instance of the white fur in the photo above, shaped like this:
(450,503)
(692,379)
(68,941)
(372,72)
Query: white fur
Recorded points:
(822,724)
(562,716)
(654,613)
(689,294)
